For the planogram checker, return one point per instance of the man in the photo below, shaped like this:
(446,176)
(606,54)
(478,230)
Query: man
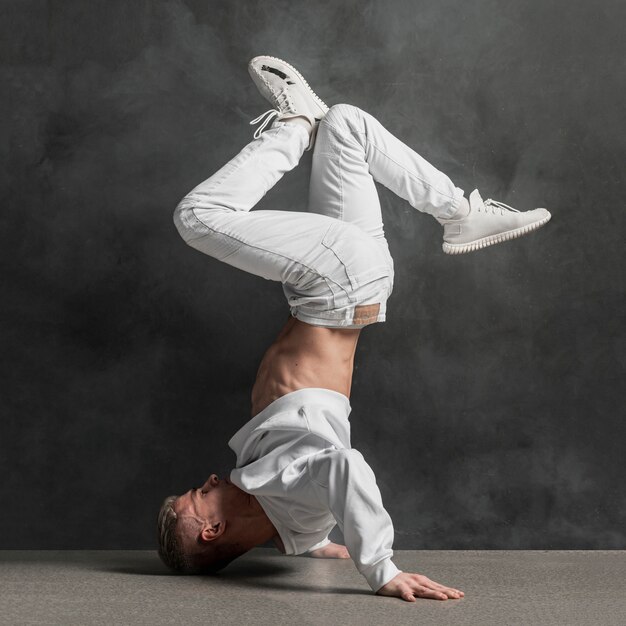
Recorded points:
(296,474)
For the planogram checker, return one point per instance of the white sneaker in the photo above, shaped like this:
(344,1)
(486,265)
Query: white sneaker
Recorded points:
(286,89)
(488,222)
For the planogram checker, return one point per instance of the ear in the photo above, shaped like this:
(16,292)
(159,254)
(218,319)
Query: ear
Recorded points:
(211,531)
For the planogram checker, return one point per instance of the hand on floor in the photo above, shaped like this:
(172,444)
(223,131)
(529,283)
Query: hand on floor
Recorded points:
(407,586)
(330,551)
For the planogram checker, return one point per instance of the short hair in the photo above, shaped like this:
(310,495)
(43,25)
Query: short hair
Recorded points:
(206,560)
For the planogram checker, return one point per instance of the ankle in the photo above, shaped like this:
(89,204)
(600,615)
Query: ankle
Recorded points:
(462,210)
(299,119)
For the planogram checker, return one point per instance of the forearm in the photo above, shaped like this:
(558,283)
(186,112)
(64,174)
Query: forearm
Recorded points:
(348,485)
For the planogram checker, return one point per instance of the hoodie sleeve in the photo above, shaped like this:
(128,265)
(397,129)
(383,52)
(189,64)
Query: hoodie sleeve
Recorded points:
(346,483)
(320,544)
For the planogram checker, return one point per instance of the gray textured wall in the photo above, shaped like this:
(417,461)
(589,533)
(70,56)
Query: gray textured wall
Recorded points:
(490,403)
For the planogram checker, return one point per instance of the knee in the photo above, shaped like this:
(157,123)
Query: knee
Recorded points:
(181,219)
(342,109)
(184,206)
(193,200)
(184,217)
(342,116)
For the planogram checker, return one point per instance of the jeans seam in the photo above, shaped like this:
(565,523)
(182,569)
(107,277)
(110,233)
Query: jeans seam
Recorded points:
(250,245)
(249,150)
(341,194)
(348,293)
(411,174)
(339,154)
(370,142)
(341,189)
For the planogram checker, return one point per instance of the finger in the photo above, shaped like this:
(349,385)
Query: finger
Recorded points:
(434,585)
(425,592)
(408,596)
(452,593)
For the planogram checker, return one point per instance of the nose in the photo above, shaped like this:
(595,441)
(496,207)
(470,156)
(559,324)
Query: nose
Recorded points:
(212,480)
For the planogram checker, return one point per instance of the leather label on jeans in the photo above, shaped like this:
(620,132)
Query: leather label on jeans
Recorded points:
(366,313)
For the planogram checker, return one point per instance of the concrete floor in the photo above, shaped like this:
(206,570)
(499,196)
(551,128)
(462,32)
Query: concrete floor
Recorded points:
(263,587)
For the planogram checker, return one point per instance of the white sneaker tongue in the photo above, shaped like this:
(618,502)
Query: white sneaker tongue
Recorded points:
(475,199)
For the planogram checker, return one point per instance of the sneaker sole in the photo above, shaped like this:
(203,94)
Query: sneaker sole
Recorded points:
(319,101)
(461,248)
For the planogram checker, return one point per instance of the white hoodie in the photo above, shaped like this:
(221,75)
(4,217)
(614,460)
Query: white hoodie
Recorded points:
(295,457)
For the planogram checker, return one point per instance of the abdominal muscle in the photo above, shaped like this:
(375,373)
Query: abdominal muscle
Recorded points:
(304,356)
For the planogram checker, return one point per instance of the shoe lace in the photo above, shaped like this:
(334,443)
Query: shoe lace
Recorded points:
(494,204)
(272,113)
(283,104)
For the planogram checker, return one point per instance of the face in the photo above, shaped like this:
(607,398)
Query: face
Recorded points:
(214,505)
(202,502)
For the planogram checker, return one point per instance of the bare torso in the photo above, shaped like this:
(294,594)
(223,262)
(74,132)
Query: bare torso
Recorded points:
(305,356)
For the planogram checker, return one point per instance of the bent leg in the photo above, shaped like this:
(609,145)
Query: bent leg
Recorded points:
(215,217)
(353,149)
(298,249)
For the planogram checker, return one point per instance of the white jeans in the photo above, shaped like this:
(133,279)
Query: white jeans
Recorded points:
(333,260)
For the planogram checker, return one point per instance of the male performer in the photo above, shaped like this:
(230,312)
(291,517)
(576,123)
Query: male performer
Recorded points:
(296,473)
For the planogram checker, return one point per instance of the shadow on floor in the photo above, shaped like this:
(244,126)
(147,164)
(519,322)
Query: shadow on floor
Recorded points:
(254,571)
(307,588)
(251,568)
(268,574)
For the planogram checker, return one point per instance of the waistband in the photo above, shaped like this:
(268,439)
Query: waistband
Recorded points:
(343,317)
